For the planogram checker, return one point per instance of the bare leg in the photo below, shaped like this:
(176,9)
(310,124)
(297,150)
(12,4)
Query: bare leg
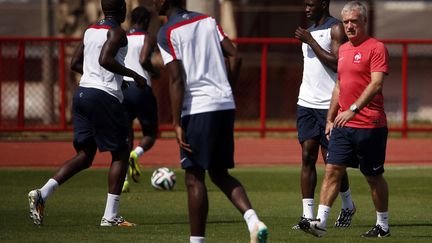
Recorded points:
(331,184)
(308,178)
(344,181)
(197,201)
(82,160)
(232,188)
(149,136)
(117,172)
(379,191)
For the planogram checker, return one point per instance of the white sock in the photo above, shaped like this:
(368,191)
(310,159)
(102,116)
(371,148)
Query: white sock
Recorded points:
(323,213)
(112,206)
(308,208)
(251,219)
(196,239)
(346,199)
(139,151)
(48,188)
(382,220)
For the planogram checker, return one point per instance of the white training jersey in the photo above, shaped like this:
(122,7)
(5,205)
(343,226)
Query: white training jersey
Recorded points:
(318,80)
(94,75)
(136,39)
(195,39)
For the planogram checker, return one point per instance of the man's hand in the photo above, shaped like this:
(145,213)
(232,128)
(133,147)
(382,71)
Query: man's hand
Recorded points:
(328,129)
(303,35)
(343,117)
(181,138)
(141,81)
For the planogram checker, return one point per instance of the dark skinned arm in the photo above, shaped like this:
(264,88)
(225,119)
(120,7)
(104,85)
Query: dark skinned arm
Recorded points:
(116,38)
(176,91)
(329,59)
(233,60)
(78,59)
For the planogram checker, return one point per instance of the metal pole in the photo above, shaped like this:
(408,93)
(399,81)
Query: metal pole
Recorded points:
(404,90)
(263,96)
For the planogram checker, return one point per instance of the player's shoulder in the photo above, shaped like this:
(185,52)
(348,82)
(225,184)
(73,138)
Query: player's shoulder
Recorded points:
(328,24)
(179,20)
(373,43)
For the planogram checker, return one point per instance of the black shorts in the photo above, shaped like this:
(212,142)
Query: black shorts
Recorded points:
(359,147)
(100,117)
(140,103)
(311,124)
(211,137)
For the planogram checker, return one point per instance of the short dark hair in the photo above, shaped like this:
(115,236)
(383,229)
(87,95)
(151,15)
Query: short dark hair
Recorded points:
(139,15)
(176,3)
(112,6)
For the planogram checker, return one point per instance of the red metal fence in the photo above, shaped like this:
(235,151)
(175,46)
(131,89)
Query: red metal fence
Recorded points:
(36,85)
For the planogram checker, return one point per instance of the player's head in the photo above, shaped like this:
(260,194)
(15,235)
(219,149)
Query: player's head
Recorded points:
(315,9)
(114,9)
(140,16)
(162,6)
(354,19)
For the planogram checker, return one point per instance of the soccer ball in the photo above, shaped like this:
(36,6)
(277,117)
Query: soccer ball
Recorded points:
(163,179)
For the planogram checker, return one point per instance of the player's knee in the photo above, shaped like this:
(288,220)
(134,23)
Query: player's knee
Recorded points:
(219,176)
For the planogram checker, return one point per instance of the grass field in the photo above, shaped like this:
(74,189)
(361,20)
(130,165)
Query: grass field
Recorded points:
(73,213)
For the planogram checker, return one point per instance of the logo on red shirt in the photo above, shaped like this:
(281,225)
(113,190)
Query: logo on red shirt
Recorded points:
(357,57)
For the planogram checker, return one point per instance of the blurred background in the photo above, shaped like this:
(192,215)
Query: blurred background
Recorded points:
(37,39)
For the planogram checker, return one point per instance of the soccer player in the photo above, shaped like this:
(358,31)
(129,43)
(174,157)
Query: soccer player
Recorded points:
(357,121)
(140,103)
(193,47)
(320,48)
(99,117)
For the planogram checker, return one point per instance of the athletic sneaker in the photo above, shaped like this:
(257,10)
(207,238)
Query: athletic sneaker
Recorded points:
(297,226)
(117,221)
(134,167)
(312,227)
(37,206)
(126,186)
(376,231)
(259,233)
(345,217)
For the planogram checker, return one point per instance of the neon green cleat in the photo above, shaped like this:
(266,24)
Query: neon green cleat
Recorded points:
(134,167)
(125,186)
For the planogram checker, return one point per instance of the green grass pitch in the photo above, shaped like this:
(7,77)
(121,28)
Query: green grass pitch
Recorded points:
(74,211)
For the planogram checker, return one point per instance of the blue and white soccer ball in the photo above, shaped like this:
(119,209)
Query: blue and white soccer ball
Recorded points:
(163,179)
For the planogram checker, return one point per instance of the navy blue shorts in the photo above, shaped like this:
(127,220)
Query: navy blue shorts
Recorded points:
(140,103)
(211,137)
(359,147)
(100,117)
(311,124)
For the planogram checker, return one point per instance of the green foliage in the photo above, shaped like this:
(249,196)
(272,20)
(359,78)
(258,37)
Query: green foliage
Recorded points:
(74,211)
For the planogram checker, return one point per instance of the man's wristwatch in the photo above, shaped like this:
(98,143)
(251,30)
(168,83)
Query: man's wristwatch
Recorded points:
(354,108)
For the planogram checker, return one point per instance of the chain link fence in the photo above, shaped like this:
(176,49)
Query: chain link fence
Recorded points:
(37,85)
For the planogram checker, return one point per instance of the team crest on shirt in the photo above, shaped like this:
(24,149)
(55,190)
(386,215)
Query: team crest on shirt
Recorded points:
(357,57)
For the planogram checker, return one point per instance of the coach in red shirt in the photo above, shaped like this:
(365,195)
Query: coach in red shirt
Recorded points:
(356,121)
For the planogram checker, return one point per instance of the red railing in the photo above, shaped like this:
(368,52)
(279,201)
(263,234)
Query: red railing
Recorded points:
(262,129)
